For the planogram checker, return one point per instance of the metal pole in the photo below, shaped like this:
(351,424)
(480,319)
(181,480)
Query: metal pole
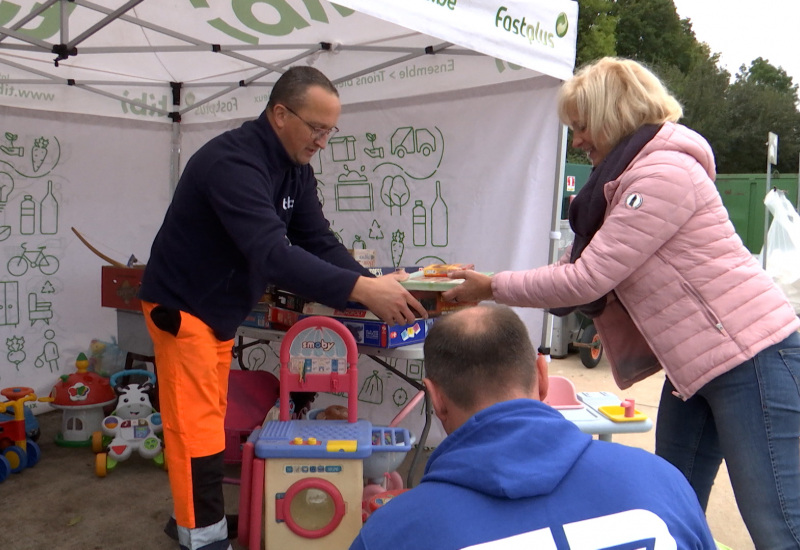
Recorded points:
(766,218)
(772,158)
(555,226)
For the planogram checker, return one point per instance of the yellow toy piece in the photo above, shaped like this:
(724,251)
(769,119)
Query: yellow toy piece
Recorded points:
(624,412)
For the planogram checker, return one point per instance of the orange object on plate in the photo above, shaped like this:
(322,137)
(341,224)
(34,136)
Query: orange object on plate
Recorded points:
(441,270)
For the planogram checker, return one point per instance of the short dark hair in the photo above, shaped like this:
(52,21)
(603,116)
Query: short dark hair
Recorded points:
(484,350)
(291,87)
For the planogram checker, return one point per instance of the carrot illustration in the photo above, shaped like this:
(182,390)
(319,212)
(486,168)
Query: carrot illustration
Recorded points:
(397,247)
(39,152)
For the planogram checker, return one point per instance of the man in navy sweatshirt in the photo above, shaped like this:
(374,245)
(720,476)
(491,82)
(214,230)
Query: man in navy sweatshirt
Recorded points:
(513,473)
(245,214)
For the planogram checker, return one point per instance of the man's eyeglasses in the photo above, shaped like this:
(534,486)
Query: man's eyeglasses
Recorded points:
(316,133)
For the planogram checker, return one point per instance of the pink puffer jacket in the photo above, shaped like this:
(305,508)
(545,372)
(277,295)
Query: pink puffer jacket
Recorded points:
(684,292)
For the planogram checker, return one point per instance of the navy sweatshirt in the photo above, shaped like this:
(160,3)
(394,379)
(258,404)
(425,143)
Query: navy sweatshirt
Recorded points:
(243,216)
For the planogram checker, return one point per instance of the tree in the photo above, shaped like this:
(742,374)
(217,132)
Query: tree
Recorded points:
(701,92)
(651,32)
(762,99)
(761,73)
(597,28)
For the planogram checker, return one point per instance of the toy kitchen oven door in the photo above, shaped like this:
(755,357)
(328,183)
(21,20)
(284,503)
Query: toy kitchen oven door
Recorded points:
(313,469)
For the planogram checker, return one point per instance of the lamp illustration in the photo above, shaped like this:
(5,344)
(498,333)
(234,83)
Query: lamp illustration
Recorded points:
(6,187)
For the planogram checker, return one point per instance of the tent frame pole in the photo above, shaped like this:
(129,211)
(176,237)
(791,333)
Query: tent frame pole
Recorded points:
(555,227)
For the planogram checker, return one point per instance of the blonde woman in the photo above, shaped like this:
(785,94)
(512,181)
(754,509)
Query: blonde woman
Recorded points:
(658,266)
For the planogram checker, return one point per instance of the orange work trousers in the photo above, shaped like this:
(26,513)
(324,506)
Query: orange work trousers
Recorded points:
(193,368)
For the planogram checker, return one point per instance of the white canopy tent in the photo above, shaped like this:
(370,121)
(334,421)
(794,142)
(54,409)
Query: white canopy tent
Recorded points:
(152,47)
(103,104)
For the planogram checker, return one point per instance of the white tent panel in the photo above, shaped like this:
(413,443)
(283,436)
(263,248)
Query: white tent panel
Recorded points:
(226,56)
(540,36)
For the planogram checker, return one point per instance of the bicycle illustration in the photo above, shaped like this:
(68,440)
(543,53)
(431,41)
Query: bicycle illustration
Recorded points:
(18,265)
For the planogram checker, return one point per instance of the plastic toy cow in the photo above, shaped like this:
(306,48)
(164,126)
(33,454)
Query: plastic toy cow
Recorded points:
(132,426)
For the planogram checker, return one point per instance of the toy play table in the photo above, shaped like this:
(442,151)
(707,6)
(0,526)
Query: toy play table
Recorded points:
(590,420)
(379,355)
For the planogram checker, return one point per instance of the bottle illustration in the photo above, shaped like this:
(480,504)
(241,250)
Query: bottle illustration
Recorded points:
(439,236)
(419,221)
(48,212)
(27,216)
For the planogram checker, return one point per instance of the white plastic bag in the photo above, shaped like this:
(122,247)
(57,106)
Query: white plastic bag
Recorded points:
(783,246)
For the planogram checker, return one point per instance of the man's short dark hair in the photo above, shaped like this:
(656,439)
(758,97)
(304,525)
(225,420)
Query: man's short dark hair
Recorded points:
(482,350)
(291,87)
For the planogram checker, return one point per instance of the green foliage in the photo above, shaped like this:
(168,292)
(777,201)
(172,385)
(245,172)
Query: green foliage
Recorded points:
(761,73)
(734,116)
(650,31)
(596,30)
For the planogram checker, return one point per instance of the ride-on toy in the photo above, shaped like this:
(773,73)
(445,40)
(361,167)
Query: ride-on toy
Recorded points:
(18,450)
(133,425)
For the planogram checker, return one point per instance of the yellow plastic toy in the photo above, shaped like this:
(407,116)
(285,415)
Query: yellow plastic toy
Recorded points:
(624,412)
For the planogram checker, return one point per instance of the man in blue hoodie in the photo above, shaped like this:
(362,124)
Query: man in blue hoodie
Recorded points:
(514,473)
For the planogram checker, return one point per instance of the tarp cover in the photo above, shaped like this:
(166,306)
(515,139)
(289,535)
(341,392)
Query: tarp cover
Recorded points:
(222,57)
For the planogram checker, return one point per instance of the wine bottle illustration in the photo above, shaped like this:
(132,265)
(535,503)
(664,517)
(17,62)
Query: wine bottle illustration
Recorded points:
(439,235)
(27,216)
(48,212)
(419,221)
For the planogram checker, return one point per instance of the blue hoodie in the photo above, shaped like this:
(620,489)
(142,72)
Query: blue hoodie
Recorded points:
(519,475)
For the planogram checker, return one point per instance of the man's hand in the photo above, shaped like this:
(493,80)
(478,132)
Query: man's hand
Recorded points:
(386,298)
(475,288)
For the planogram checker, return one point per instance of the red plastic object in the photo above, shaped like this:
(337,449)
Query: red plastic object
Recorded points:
(332,383)
(630,407)
(82,388)
(251,395)
(246,494)
(318,484)
(16,392)
(561,394)
(382,498)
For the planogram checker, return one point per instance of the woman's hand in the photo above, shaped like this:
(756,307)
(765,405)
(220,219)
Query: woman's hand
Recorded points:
(475,288)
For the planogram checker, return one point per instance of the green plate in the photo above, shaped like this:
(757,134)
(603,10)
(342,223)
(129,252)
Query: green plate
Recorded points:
(416,281)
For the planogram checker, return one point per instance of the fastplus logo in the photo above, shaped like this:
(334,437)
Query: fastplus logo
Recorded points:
(535,31)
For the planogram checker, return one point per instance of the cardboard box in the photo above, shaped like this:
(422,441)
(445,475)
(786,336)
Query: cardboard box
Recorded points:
(381,335)
(119,286)
(364,256)
(257,319)
(385,270)
(359,312)
(287,300)
(281,318)
(435,305)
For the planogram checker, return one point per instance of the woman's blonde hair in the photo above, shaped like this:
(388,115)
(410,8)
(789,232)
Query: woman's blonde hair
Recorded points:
(613,98)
